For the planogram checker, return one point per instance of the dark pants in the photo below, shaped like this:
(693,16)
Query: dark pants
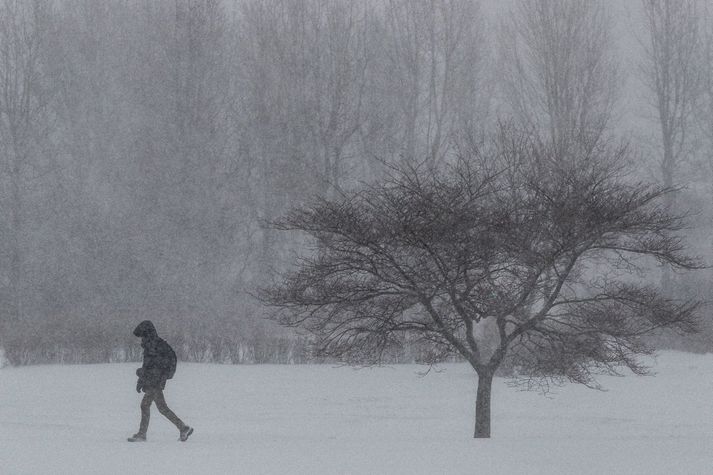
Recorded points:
(156,395)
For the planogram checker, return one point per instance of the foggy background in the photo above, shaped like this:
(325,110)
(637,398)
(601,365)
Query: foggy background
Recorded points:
(144,143)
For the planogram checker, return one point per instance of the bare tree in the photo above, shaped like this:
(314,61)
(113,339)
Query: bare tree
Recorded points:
(671,69)
(307,63)
(303,80)
(558,71)
(704,109)
(435,54)
(503,257)
(25,94)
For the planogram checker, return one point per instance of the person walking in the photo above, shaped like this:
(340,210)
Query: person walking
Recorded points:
(159,366)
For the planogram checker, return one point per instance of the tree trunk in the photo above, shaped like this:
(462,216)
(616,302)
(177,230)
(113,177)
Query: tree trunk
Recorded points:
(667,170)
(16,240)
(482,406)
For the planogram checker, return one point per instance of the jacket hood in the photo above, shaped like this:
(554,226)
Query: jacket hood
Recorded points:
(145,329)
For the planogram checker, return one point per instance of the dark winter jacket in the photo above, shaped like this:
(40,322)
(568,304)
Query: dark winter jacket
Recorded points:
(159,358)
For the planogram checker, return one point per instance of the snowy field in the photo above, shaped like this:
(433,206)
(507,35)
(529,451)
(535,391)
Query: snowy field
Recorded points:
(333,420)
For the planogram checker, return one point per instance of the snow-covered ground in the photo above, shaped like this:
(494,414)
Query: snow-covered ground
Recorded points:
(333,420)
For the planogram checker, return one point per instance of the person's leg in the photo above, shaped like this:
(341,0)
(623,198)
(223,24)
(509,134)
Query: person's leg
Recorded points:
(168,413)
(146,412)
(140,436)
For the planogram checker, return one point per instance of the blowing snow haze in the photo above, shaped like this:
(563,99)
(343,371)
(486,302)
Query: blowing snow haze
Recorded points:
(146,144)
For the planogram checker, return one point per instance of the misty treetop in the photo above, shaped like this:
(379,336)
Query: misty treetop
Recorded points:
(145,143)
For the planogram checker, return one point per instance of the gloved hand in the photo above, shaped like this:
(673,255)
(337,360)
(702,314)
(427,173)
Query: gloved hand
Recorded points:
(139,386)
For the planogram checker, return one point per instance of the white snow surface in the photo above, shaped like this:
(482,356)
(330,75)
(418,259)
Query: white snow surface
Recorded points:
(323,419)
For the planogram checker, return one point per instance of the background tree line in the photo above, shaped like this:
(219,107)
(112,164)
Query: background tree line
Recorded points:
(144,143)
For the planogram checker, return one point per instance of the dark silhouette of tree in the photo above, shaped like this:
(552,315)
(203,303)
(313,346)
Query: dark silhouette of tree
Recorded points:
(26,92)
(512,253)
(672,71)
(559,72)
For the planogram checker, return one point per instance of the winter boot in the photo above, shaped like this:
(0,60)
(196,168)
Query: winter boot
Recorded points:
(185,433)
(139,437)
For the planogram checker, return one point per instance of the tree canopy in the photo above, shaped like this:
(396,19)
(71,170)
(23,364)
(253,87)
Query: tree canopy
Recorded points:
(516,251)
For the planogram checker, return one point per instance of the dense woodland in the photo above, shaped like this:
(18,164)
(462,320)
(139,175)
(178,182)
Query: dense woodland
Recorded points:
(144,144)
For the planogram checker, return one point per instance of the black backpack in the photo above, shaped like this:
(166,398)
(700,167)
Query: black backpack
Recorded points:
(170,360)
(173,362)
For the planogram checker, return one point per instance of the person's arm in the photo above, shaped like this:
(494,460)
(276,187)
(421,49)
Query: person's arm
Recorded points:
(149,362)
